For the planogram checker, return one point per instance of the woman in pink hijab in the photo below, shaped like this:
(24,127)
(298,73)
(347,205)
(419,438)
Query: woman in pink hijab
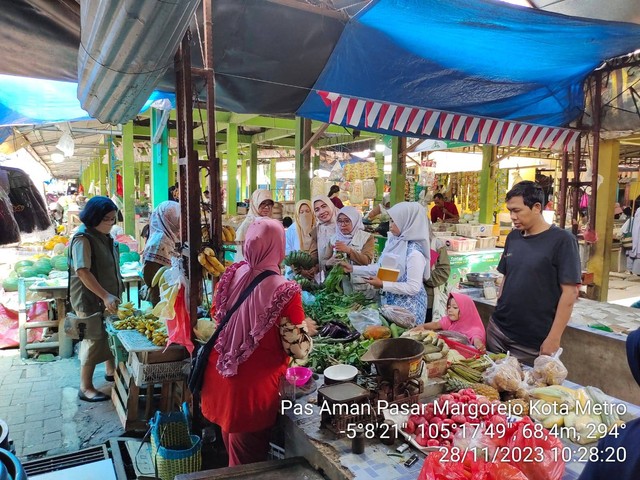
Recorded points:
(240,389)
(462,317)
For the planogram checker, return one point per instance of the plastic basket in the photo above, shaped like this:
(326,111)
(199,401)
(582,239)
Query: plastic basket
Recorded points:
(145,373)
(486,242)
(120,354)
(459,244)
(173,449)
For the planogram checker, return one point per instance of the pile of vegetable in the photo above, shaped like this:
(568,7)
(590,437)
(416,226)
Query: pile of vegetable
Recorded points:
(334,306)
(333,282)
(299,260)
(324,355)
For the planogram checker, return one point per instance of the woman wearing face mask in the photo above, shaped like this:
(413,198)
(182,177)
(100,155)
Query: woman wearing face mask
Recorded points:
(260,205)
(462,317)
(408,248)
(299,236)
(326,214)
(95,286)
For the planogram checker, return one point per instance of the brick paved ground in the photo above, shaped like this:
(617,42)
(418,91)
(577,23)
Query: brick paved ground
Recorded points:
(39,403)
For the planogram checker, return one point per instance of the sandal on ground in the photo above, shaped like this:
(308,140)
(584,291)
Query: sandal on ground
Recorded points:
(98,397)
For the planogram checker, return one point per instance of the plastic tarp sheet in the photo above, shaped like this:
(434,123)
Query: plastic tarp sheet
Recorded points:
(27,101)
(474,57)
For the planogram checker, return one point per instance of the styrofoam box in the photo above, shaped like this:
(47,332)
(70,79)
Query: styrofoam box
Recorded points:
(480,230)
(486,242)
(459,244)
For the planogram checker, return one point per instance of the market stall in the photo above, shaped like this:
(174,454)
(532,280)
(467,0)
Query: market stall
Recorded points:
(593,344)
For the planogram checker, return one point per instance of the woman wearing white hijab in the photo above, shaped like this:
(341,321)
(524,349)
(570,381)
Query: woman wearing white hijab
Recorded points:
(261,205)
(164,234)
(351,239)
(408,247)
(326,214)
(358,246)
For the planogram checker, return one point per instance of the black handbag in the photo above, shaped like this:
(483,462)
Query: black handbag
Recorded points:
(200,361)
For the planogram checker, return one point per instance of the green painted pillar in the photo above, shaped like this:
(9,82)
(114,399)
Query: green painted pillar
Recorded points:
(128,178)
(488,183)
(273,176)
(160,168)
(303,160)
(232,168)
(243,179)
(398,170)
(253,169)
(380,180)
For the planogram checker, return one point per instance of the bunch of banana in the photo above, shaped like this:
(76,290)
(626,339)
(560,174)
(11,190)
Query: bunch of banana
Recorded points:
(159,338)
(228,234)
(125,310)
(435,347)
(159,276)
(136,322)
(207,258)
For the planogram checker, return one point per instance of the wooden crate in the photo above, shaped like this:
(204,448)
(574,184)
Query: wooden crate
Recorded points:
(136,405)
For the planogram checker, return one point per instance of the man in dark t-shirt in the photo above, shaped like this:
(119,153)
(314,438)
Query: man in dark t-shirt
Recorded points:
(541,267)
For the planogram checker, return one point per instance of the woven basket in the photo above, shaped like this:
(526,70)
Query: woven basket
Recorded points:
(174,450)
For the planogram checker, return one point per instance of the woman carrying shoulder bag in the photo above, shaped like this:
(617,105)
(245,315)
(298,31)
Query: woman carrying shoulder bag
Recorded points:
(240,388)
(95,286)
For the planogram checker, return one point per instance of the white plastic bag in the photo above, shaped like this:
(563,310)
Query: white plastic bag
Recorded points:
(548,370)
(361,319)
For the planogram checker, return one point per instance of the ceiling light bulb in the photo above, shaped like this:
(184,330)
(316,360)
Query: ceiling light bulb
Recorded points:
(57,157)
(380,147)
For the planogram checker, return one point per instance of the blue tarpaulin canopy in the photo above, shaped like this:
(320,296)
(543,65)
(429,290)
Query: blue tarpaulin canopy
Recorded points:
(473,58)
(32,101)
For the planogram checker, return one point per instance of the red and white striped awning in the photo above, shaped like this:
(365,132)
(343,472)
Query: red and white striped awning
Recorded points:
(361,113)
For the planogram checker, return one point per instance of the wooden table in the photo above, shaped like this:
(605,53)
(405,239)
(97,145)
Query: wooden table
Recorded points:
(59,294)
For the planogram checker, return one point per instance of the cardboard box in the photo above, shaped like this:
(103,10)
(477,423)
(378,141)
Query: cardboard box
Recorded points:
(388,274)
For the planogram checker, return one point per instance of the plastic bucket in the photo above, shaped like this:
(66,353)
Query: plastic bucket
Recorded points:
(4,435)
(10,467)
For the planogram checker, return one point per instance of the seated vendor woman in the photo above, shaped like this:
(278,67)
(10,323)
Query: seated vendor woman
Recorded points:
(462,317)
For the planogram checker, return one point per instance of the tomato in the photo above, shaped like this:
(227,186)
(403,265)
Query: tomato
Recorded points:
(436,420)
(456,396)
(433,443)
(422,440)
(459,419)
(410,427)
(465,398)
(445,398)
(445,443)
(428,416)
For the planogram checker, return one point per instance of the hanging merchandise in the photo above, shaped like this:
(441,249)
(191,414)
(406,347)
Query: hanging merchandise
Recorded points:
(360,171)
(10,232)
(357,193)
(336,172)
(318,186)
(29,209)
(369,188)
(502,184)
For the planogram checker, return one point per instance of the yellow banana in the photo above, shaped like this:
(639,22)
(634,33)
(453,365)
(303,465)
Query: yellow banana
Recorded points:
(216,264)
(209,252)
(159,274)
(202,259)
